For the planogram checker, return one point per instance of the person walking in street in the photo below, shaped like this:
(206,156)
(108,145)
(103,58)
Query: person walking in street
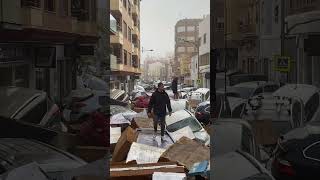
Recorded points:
(159,102)
(174,87)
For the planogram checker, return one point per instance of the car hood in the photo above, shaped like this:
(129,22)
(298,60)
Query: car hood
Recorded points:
(203,136)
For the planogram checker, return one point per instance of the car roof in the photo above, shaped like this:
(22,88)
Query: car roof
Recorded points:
(177,116)
(244,166)
(251,84)
(19,151)
(203,90)
(304,91)
(13,98)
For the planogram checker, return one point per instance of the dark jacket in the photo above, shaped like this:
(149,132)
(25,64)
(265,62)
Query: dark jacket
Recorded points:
(174,85)
(159,102)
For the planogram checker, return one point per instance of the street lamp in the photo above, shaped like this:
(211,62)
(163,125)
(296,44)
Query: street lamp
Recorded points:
(196,45)
(143,50)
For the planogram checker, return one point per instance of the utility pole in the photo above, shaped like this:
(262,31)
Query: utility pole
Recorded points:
(283,30)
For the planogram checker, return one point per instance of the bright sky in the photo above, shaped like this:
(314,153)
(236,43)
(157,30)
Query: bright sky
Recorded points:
(158,18)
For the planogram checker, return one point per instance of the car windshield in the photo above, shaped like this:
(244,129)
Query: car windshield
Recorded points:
(245,92)
(189,121)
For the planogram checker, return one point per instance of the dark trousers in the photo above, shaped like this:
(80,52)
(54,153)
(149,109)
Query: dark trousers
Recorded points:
(159,119)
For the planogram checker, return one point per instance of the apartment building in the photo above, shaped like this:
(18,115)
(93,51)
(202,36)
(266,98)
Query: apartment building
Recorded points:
(125,44)
(41,42)
(218,14)
(204,52)
(186,46)
(248,24)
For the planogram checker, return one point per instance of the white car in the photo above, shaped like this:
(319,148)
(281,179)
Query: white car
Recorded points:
(184,118)
(203,92)
(30,106)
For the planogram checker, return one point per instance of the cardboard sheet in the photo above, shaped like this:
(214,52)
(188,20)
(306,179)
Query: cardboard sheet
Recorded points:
(123,145)
(187,152)
(144,154)
(168,176)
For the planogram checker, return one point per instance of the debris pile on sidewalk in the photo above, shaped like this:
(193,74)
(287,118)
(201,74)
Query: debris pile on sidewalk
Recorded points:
(139,156)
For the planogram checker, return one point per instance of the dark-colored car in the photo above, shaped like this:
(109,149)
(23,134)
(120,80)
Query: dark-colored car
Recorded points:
(202,112)
(297,155)
(238,165)
(17,152)
(234,105)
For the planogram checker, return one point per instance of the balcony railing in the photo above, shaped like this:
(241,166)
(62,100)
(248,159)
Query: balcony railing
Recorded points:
(31,3)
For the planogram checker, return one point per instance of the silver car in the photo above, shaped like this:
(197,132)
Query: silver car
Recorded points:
(184,118)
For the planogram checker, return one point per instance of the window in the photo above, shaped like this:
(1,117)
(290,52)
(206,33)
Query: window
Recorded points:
(181,29)
(64,7)
(262,13)
(191,28)
(199,40)
(204,38)
(181,49)
(129,8)
(125,4)
(31,3)
(125,30)
(36,114)
(49,5)
(125,56)
(80,9)
(190,49)
(94,10)
(130,59)
(129,34)
(276,14)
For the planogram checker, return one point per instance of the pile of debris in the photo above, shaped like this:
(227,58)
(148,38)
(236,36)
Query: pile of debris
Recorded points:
(137,155)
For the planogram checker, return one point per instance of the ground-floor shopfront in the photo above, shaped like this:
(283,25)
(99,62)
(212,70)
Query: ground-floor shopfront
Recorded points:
(123,81)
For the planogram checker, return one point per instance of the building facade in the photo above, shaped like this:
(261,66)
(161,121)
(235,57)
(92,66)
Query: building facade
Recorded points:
(125,44)
(302,41)
(204,53)
(186,43)
(41,42)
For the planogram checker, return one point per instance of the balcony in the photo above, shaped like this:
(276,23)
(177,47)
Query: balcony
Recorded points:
(116,7)
(117,39)
(136,31)
(30,16)
(136,51)
(126,68)
(135,10)
(113,63)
